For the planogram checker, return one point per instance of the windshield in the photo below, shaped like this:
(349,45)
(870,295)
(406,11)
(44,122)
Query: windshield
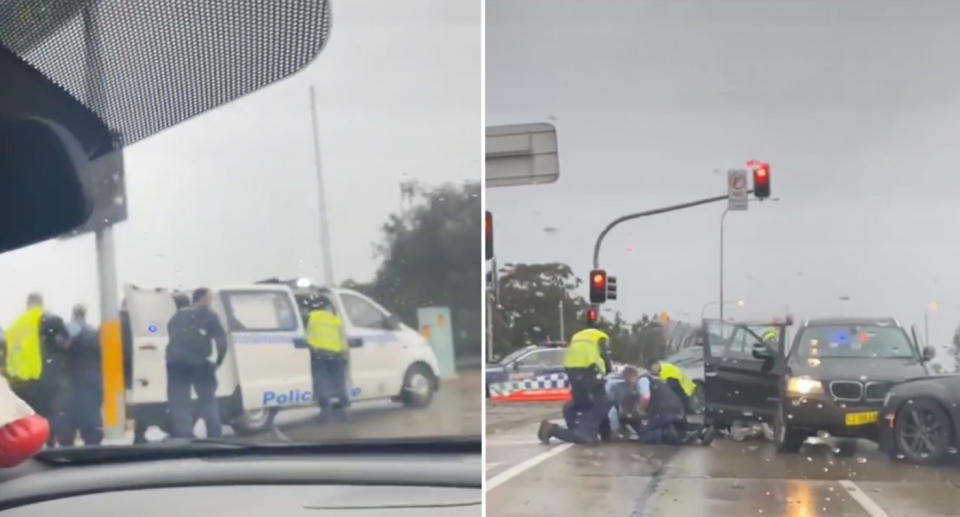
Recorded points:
(512,356)
(866,341)
(295,260)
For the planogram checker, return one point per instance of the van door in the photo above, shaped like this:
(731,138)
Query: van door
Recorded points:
(149,312)
(737,385)
(269,348)
(376,352)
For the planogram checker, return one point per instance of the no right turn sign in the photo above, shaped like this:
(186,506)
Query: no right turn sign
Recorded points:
(737,189)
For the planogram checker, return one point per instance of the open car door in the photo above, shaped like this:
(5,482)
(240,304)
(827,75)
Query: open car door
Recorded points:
(741,382)
(149,312)
(268,343)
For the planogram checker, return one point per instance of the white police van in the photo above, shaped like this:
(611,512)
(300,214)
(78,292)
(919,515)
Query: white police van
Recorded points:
(267,366)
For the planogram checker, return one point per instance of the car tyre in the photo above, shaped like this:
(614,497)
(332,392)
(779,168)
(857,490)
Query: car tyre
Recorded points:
(417,386)
(254,422)
(786,438)
(922,432)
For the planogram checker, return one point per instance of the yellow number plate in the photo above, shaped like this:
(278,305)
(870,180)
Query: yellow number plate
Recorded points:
(862,418)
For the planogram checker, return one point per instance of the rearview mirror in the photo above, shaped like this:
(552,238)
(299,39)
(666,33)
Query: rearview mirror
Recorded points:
(929,352)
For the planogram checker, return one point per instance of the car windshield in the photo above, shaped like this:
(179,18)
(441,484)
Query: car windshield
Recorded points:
(284,246)
(512,356)
(861,341)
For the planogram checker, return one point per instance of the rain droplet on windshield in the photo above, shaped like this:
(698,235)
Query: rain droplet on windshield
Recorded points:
(823,434)
(861,459)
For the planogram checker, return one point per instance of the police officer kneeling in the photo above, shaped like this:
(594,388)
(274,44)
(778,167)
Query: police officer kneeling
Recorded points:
(663,416)
(586,365)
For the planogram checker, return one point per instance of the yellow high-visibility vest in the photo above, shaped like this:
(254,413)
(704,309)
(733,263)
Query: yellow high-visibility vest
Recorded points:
(584,350)
(24,357)
(672,371)
(324,332)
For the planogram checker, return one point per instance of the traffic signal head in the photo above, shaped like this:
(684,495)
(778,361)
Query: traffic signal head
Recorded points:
(592,316)
(761,180)
(611,288)
(598,286)
(488,230)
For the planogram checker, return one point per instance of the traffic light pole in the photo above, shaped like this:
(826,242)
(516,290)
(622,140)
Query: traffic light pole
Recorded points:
(655,211)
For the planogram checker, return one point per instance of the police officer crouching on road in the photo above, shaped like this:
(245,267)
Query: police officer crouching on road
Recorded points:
(328,355)
(663,416)
(192,330)
(586,363)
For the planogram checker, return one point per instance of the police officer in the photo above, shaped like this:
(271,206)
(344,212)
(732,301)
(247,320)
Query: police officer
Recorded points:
(84,381)
(586,364)
(328,354)
(678,381)
(191,332)
(665,421)
(30,364)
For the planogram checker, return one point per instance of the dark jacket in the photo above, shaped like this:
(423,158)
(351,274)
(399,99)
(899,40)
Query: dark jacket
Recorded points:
(192,333)
(664,402)
(84,364)
(56,356)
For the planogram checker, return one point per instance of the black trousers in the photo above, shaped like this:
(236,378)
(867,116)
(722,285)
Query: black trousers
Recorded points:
(202,378)
(80,411)
(589,401)
(329,379)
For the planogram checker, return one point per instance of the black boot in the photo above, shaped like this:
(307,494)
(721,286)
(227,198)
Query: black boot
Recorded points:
(545,432)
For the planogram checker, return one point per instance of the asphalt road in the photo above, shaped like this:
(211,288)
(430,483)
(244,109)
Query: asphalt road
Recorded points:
(728,478)
(455,410)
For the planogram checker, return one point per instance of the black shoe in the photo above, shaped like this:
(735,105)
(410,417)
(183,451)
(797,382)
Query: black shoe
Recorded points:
(546,429)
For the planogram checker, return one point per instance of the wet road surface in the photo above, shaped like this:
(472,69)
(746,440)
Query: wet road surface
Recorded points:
(728,478)
(455,410)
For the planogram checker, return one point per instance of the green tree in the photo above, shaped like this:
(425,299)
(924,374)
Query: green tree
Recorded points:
(431,257)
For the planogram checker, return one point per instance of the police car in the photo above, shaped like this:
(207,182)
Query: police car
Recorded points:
(531,374)
(267,366)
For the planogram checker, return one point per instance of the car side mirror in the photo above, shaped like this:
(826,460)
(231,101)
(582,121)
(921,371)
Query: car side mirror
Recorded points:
(355,342)
(762,351)
(299,342)
(391,322)
(516,366)
(929,353)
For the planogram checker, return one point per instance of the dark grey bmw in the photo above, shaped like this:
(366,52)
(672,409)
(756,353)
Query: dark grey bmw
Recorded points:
(920,419)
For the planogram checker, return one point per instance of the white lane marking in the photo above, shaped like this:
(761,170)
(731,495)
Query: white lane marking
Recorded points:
(516,441)
(872,508)
(505,476)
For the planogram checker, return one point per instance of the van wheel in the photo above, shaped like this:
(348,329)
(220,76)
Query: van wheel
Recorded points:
(417,386)
(254,422)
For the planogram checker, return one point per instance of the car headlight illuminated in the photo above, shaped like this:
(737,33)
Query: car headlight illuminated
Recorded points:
(803,386)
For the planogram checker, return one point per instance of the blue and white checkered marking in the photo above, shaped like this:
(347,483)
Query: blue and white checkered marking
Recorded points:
(543,382)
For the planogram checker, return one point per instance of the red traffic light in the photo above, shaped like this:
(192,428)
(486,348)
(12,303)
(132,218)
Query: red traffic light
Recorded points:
(761,179)
(592,315)
(598,286)
(488,231)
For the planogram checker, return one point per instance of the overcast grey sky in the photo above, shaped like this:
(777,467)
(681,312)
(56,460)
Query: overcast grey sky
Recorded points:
(855,104)
(231,196)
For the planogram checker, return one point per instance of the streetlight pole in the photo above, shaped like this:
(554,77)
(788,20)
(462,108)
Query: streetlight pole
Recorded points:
(563,334)
(723,218)
(321,197)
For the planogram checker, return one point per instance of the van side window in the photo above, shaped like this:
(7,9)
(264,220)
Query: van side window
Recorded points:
(259,311)
(361,313)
